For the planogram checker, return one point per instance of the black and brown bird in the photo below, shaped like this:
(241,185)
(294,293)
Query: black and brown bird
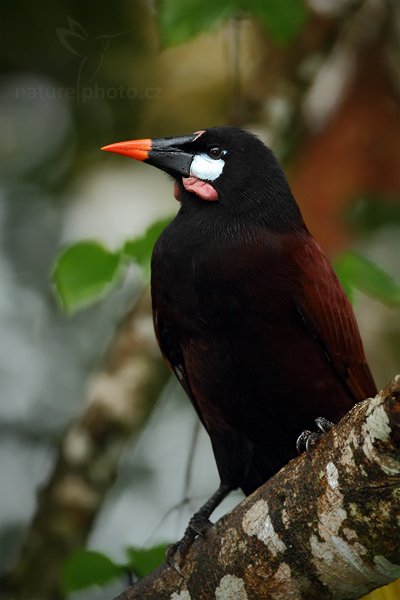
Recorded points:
(247,309)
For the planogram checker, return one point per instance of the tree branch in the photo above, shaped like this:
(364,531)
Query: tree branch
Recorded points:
(326,526)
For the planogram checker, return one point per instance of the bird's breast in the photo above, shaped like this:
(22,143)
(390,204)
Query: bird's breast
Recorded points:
(211,283)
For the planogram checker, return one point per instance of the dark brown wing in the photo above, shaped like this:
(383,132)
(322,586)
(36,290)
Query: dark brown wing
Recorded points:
(328,315)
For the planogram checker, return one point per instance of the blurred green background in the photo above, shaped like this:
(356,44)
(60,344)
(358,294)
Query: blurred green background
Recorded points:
(96,441)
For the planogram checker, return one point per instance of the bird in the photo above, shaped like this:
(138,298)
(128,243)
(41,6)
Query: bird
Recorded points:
(247,310)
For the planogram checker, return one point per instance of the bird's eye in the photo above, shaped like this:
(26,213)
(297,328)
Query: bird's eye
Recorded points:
(215,152)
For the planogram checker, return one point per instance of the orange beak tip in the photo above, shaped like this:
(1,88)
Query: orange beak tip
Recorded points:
(137,149)
(112,147)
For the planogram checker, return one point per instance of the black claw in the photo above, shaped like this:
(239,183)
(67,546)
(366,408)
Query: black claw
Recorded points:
(307,439)
(323,424)
(199,524)
(312,439)
(170,557)
(301,442)
(176,553)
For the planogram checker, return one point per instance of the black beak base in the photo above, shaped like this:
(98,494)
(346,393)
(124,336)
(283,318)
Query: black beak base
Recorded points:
(168,155)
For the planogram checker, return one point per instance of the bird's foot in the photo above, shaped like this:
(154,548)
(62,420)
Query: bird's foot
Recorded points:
(199,524)
(308,439)
(176,553)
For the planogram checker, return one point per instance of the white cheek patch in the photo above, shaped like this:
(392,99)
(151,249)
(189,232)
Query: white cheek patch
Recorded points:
(204,167)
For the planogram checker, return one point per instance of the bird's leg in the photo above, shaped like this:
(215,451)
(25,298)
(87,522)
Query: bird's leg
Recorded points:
(307,439)
(198,525)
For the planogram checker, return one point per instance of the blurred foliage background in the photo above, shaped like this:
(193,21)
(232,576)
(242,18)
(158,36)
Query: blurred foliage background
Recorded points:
(100,457)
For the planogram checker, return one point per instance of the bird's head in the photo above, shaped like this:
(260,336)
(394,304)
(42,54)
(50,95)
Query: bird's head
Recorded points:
(224,167)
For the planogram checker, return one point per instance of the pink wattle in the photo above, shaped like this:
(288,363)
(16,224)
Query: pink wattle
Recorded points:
(202,189)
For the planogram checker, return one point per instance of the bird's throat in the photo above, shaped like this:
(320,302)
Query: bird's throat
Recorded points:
(202,189)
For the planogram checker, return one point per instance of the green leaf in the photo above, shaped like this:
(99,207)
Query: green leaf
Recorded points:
(143,561)
(358,272)
(141,248)
(85,568)
(83,273)
(281,18)
(181,20)
(369,213)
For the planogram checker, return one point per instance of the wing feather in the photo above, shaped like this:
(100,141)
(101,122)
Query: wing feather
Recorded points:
(327,313)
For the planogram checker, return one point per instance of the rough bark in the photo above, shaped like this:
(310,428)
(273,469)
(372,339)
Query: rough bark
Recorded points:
(118,400)
(326,526)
